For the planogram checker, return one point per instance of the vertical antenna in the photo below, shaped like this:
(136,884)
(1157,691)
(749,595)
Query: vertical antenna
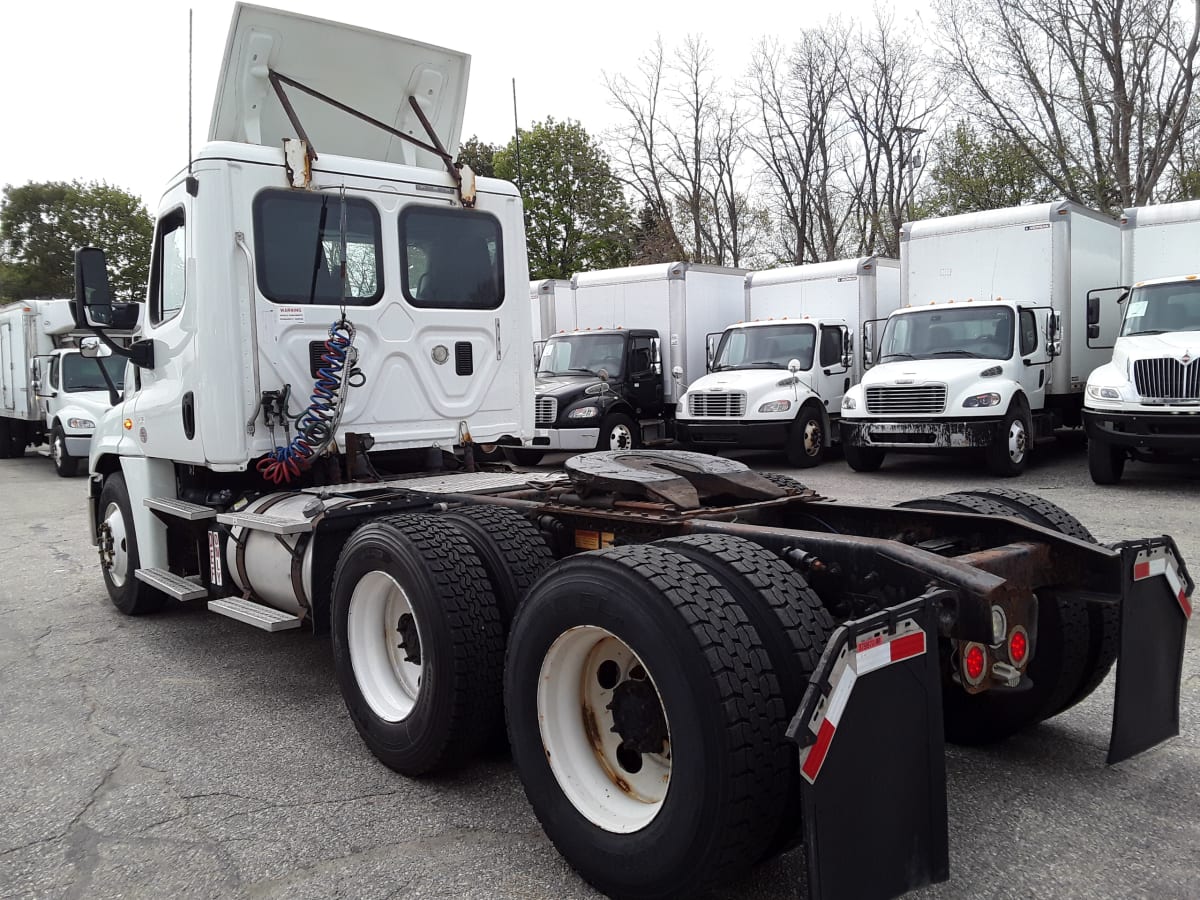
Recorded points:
(517,132)
(193,186)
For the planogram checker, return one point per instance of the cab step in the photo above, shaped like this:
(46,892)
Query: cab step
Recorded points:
(180,509)
(260,522)
(174,586)
(255,614)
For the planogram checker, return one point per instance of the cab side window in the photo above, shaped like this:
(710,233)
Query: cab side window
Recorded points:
(167,279)
(1029,335)
(831,346)
(641,360)
(53,382)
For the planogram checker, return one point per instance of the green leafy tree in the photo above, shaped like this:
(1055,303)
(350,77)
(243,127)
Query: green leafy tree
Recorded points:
(972,172)
(479,156)
(577,217)
(42,223)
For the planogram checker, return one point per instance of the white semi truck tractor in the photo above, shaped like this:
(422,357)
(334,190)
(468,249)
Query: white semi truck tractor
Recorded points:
(1144,404)
(699,666)
(990,351)
(776,377)
(49,393)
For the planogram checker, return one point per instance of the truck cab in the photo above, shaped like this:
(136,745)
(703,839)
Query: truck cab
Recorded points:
(772,384)
(952,376)
(74,396)
(596,388)
(1145,403)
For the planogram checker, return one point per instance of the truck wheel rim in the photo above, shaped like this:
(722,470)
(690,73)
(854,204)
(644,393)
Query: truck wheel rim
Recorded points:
(604,728)
(620,438)
(116,546)
(1016,441)
(385,642)
(57,450)
(812,437)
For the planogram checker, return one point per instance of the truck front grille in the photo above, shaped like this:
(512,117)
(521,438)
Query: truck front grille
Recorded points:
(1166,379)
(545,411)
(895,401)
(717,405)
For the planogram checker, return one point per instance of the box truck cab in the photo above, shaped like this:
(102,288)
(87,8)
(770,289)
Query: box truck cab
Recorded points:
(1144,404)
(613,382)
(48,391)
(990,351)
(776,379)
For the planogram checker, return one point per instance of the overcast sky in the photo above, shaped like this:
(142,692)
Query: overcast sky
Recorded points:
(98,90)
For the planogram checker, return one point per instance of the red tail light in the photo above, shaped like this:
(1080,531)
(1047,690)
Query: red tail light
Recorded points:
(1018,646)
(974,663)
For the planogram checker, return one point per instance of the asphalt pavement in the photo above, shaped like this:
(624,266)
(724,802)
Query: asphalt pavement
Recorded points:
(188,755)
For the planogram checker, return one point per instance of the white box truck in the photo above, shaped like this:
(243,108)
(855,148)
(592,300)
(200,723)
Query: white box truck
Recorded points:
(613,382)
(48,391)
(643,626)
(991,348)
(1144,404)
(553,301)
(804,317)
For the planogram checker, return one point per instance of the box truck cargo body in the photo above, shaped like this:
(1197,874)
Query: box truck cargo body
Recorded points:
(553,302)
(991,348)
(808,315)
(1144,404)
(614,381)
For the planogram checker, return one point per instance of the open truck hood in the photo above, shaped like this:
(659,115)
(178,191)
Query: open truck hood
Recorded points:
(371,72)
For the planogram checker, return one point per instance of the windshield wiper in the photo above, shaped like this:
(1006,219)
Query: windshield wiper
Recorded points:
(956,352)
(1148,331)
(897,355)
(585,371)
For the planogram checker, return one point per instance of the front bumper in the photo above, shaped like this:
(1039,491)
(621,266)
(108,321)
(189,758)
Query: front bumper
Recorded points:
(733,433)
(919,434)
(565,438)
(1152,431)
(78,445)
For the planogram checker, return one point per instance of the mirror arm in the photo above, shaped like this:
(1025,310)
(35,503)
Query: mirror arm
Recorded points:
(140,353)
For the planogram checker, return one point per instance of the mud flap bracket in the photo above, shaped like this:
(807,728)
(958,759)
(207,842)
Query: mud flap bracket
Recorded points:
(872,758)
(1155,608)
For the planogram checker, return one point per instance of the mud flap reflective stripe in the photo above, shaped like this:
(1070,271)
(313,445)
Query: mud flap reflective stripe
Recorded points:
(1155,608)
(872,758)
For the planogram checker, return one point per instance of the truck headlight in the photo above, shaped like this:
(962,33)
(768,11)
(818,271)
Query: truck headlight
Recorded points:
(776,406)
(80,423)
(848,402)
(583,412)
(1096,392)
(981,400)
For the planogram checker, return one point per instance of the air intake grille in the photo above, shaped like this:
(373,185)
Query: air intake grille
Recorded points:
(1166,379)
(717,405)
(891,401)
(315,350)
(464,362)
(545,411)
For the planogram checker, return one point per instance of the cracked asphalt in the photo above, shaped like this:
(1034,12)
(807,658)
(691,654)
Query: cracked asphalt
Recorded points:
(188,755)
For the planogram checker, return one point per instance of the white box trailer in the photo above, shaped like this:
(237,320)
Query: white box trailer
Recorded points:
(808,314)
(48,391)
(641,331)
(1144,404)
(553,302)
(1008,287)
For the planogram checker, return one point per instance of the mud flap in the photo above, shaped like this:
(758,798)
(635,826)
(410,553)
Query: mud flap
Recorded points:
(872,758)
(1155,608)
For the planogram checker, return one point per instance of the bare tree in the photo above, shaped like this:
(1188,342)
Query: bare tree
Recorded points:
(1097,92)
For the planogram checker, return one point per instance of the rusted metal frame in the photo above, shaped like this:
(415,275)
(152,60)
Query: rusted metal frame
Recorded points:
(275,79)
(435,148)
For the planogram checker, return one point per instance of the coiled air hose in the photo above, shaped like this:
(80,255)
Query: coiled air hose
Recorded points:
(316,426)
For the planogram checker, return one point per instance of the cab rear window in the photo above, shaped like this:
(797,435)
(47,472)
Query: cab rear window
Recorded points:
(298,249)
(451,258)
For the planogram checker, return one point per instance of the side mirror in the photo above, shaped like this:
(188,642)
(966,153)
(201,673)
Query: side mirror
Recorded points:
(1093,329)
(677,373)
(847,350)
(1093,315)
(1056,346)
(603,375)
(93,305)
(794,366)
(93,348)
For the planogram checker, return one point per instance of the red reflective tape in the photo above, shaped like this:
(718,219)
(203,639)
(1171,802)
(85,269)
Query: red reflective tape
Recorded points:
(1185,604)
(816,755)
(869,643)
(909,645)
(1141,570)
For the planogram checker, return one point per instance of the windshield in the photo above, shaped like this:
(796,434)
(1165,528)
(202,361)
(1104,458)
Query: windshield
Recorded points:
(985,332)
(81,374)
(765,347)
(583,354)
(1159,308)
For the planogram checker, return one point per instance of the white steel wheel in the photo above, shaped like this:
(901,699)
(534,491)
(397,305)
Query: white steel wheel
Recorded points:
(620,437)
(605,730)
(58,450)
(114,545)
(384,639)
(814,440)
(1018,441)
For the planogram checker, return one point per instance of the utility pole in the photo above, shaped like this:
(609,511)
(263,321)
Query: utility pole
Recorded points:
(908,161)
